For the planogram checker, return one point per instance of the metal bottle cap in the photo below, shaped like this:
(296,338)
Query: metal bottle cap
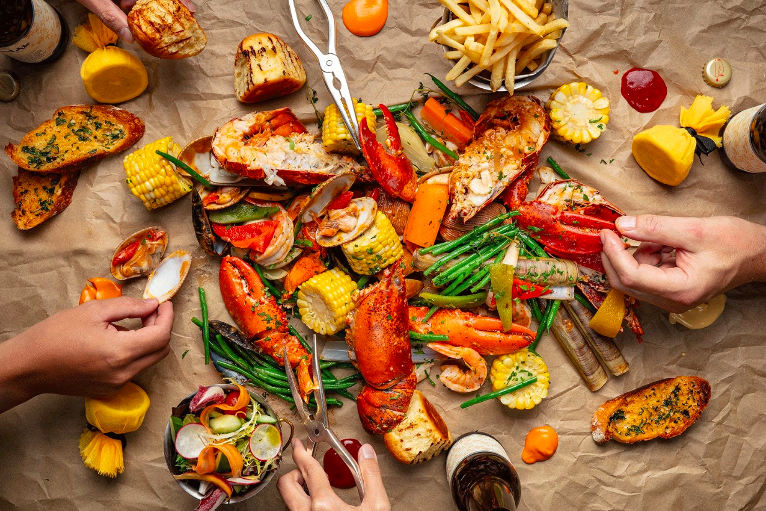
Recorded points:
(9,87)
(717,73)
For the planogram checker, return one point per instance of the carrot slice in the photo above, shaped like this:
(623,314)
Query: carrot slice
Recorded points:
(446,123)
(425,218)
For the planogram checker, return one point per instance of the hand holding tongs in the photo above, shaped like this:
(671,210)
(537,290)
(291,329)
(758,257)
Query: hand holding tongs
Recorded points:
(332,70)
(316,424)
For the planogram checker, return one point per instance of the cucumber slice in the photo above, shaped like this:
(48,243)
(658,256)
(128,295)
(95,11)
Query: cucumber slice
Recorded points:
(225,424)
(266,419)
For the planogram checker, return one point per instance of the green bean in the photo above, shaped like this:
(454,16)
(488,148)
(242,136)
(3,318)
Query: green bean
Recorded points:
(440,248)
(300,338)
(230,353)
(483,282)
(545,323)
(448,257)
(247,355)
(454,96)
(482,277)
(399,107)
(244,372)
(205,324)
(585,303)
(498,393)
(532,245)
(428,337)
(345,393)
(352,377)
(476,261)
(430,313)
(536,312)
(215,349)
(558,169)
(420,130)
(178,163)
(363,280)
(274,291)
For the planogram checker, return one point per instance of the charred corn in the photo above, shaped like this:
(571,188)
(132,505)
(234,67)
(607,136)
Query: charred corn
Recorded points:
(324,301)
(579,113)
(511,369)
(378,247)
(335,135)
(152,178)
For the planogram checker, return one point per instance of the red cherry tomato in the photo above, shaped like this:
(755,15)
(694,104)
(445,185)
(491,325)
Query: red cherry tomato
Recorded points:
(335,468)
(231,398)
(125,254)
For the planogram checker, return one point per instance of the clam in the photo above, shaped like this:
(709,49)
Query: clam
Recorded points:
(323,194)
(397,211)
(139,254)
(169,276)
(453,228)
(221,197)
(196,154)
(352,222)
(283,239)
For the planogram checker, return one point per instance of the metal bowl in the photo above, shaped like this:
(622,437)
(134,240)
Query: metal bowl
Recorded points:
(188,487)
(560,9)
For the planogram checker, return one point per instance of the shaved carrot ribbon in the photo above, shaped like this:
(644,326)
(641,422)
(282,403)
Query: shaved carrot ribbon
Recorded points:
(242,401)
(216,480)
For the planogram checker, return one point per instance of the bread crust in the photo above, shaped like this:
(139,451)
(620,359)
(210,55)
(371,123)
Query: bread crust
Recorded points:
(38,197)
(266,67)
(166,29)
(421,435)
(664,409)
(132,126)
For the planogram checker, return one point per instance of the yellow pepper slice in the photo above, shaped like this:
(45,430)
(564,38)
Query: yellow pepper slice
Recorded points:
(608,318)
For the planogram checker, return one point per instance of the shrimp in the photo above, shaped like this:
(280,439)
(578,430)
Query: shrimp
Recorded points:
(456,378)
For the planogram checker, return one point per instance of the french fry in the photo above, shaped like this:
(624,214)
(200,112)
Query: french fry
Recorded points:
(547,8)
(532,52)
(458,68)
(460,80)
(475,29)
(496,78)
(445,28)
(458,11)
(553,26)
(476,47)
(503,25)
(453,55)
(521,16)
(527,7)
(554,35)
(533,65)
(448,41)
(510,70)
(475,12)
(482,5)
(539,4)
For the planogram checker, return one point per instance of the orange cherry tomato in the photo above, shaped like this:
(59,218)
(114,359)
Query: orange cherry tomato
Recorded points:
(365,17)
(540,444)
(99,288)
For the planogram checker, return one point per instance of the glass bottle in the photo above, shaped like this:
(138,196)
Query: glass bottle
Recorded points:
(481,476)
(31,31)
(744,140)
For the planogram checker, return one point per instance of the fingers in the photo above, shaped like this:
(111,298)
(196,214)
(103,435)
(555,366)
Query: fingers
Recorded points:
(648,253)
(154,337)
(189,5)
(311,470)
(116,309)
(290,486)
(127,4)
(149,360)
(374,491)
(675,232)
(108,12)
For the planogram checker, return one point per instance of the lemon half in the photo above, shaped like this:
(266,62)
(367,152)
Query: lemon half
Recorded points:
(122,412)
(113,75)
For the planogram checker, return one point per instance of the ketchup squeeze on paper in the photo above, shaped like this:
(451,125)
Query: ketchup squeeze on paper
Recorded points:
(337,472)
(643,89)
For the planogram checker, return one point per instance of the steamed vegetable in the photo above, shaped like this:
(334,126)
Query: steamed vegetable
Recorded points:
(446,123)
(324,301)
(431,201)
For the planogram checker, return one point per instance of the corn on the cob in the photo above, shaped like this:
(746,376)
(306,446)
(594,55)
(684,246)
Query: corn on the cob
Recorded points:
(335,135)
(324,301)
(579,112)
(511,369)
(378,247)
(152,178)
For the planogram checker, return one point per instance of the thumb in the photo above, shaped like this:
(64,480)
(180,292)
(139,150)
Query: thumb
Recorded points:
(676,232)
(374,491)
(116,309)
(111,15)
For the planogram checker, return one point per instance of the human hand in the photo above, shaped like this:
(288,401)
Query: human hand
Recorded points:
(321,496)
(682,262)
(79,351)
(115,18)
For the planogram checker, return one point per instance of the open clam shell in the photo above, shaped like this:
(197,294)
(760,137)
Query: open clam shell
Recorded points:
(196,154)
(323,194)
(203,230)
(283,240)
(169,276)
(367,208)
(221,197)
(150,244)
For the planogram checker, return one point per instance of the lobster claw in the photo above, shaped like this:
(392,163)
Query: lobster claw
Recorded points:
(389,166)
(563,231)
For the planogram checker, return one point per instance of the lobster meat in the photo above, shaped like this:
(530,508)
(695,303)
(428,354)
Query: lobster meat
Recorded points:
(379,341)
(261,319)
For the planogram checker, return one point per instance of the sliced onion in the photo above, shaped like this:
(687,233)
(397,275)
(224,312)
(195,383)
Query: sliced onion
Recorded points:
(412,145)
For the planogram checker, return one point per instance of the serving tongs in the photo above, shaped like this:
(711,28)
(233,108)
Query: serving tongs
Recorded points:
(316,424)
(332,71)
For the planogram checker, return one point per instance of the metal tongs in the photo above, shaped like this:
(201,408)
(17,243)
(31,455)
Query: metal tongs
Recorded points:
(316,424)
(331,70)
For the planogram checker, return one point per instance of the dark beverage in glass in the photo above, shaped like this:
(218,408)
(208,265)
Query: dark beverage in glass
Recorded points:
(744,140)
(31,31)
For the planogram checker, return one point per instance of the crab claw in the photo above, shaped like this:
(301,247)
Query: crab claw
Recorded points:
(389,166)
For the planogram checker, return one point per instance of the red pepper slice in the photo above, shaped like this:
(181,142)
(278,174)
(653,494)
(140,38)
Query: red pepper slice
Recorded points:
(210,198)
(341,201)
(524,289)
(255,236)
(125,254)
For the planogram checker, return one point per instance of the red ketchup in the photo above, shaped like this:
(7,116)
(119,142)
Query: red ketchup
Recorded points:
(337,471)
(644,89)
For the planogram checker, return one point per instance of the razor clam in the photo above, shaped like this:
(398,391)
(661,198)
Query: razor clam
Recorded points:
(548,271)
(203,230)
(150,246)
(169,276)
(604,347)
(578,350)
(453,227)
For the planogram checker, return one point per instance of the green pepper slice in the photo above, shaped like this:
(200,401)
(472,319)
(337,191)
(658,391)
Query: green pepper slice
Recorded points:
(239,213)
(501,278)
(454,302)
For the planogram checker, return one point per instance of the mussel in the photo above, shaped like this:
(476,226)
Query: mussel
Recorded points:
(169,276)
(139,254)
(203,230)
(397,211)
(453,228)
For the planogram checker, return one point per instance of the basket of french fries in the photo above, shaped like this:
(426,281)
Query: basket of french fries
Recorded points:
(500,45)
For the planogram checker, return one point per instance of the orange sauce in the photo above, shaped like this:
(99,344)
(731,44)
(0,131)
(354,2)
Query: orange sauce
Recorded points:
(365,17)
(540,444)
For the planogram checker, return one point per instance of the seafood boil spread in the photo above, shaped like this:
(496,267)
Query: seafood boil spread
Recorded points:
(428,246)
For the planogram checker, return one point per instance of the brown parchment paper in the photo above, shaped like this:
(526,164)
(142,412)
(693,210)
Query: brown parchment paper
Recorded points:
(717,464)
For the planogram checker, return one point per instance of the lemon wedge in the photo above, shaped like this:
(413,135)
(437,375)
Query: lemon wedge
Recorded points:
(608,318)
(113,75)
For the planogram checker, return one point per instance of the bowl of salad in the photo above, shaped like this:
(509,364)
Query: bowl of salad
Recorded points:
(223,444)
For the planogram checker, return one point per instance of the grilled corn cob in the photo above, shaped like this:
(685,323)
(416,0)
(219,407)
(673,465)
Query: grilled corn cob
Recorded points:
(511,369)
(378,247)
(152,178)
(579,113)
(335,135)
(324,301)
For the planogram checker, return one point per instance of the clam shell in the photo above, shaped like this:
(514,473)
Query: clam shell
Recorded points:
(229,195)
(169,276)
(323,194)
(367,210)
(283,240)
(146,258)
(196,154)
(397,211)
(452,229)
(211,244)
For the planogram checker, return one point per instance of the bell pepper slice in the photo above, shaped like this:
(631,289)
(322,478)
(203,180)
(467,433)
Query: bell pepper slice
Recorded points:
(239,213)
(454,302)
(242,401)
(211,478)
(255,236)
(341,201)
(524,289)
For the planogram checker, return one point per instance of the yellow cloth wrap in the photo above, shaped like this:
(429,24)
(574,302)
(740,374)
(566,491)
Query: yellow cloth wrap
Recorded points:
(666,152)
(122,412)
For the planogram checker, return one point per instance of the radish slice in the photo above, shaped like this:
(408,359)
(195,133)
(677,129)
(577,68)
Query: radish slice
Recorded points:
(206,396)
(266,442)
(189,441)
(244,481)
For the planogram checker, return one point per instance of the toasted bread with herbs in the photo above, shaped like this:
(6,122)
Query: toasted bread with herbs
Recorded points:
(664,409)
(421,435)
(38,197)
(76,136)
